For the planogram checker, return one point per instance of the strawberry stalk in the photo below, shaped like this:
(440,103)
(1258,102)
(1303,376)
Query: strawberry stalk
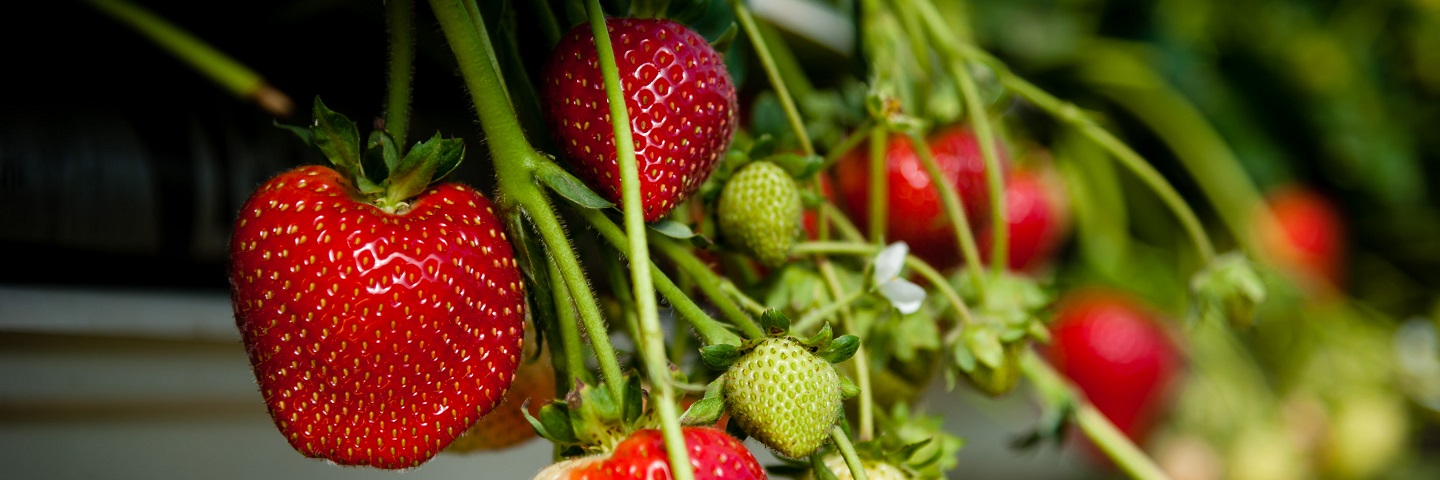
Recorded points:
(569,331)
(709,329)
(941,35)
(652,341)
(399,14)
(767,60)
(516,162)
(954,210)
(709,284)
(847,451)
(879,187)
(204,58)
(860,361)
(1054,389)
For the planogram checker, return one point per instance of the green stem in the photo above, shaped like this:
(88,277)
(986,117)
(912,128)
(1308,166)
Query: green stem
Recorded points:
(400,16)
(915,263)
(848,143)
(861,360)
(950,201)
(709,284)
(815,316)
(515,163)
(1072,114)
(729,288)
(747,22)
(709,329)
(652,345)
(979,118)
(841,222)
(569,330)
(1096,427)
(879,187)
(847,451)
(209,61)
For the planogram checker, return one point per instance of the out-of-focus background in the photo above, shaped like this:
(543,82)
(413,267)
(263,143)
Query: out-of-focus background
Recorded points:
(121,170)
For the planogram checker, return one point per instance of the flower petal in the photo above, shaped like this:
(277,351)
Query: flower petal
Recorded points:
(889,262)
(905,296)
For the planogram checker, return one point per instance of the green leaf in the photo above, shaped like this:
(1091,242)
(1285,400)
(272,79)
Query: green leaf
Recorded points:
(841,349)
(565,184)
(764,146)
(671,228)
(337,137)
(726,38)
(963,358)
(720,356)
(774,321)
(986,345)
(380,158)
(302,132)
(848,388)
(634,404)
(554,422)
(417,170)
(820,339)
(704,412)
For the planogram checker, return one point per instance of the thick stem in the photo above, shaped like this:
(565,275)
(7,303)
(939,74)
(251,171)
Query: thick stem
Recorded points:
(221,68)
(709,284)
(762,50)
(569,330)
(652,343)
(847,451)
(1052,387)
(515,162)
(400,17)
(950,201)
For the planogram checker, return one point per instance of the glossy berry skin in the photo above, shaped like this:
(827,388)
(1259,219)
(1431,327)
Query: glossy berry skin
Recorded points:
(1113,349)
(376,338)
(1037,220)
(506,426)
(915,214)
(1308,237)
(679,97)
(714,455)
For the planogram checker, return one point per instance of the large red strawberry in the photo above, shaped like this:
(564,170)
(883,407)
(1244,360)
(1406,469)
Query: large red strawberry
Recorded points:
(506,426)
(381,318)
(915,214)
(680,100)
(1114,349)
(714,455)
(1308,236)
(1037,219)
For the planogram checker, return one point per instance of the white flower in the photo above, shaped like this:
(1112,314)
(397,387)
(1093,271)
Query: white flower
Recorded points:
(905,296)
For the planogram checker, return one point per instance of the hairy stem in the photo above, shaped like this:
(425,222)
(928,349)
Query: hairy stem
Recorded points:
(400,16)
(652,343)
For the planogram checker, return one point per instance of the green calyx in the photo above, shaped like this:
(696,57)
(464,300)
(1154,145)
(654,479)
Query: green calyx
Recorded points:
(987,353)
(379,170)
(591,419)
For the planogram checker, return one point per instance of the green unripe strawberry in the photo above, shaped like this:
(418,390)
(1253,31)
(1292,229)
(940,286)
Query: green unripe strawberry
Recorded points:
(874,470)
(760,211)
(784,395)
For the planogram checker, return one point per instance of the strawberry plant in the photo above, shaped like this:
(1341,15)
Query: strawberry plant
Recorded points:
(686,151)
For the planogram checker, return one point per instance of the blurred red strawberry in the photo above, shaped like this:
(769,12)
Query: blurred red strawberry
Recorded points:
(1036,214)
(1307,238)
(1114,350)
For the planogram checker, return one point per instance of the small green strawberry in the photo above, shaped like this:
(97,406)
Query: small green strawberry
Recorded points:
(760,211)
(874,470)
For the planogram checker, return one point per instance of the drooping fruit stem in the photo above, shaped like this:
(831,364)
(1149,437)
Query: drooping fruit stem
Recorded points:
(861,360)
(879,187)
(950,201)
(221,68)
(767,60)
(709,329)
(652,343)
(1055,389)
(399,16)
(847,451)
(515,162)
(569,330)
(709,284)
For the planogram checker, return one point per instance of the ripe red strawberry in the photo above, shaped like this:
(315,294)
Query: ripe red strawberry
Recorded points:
(506,426)
(1036,215)
(1309,237)
(376,337)
(714,455)
(1117,353)
(916,215)
(680,100)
